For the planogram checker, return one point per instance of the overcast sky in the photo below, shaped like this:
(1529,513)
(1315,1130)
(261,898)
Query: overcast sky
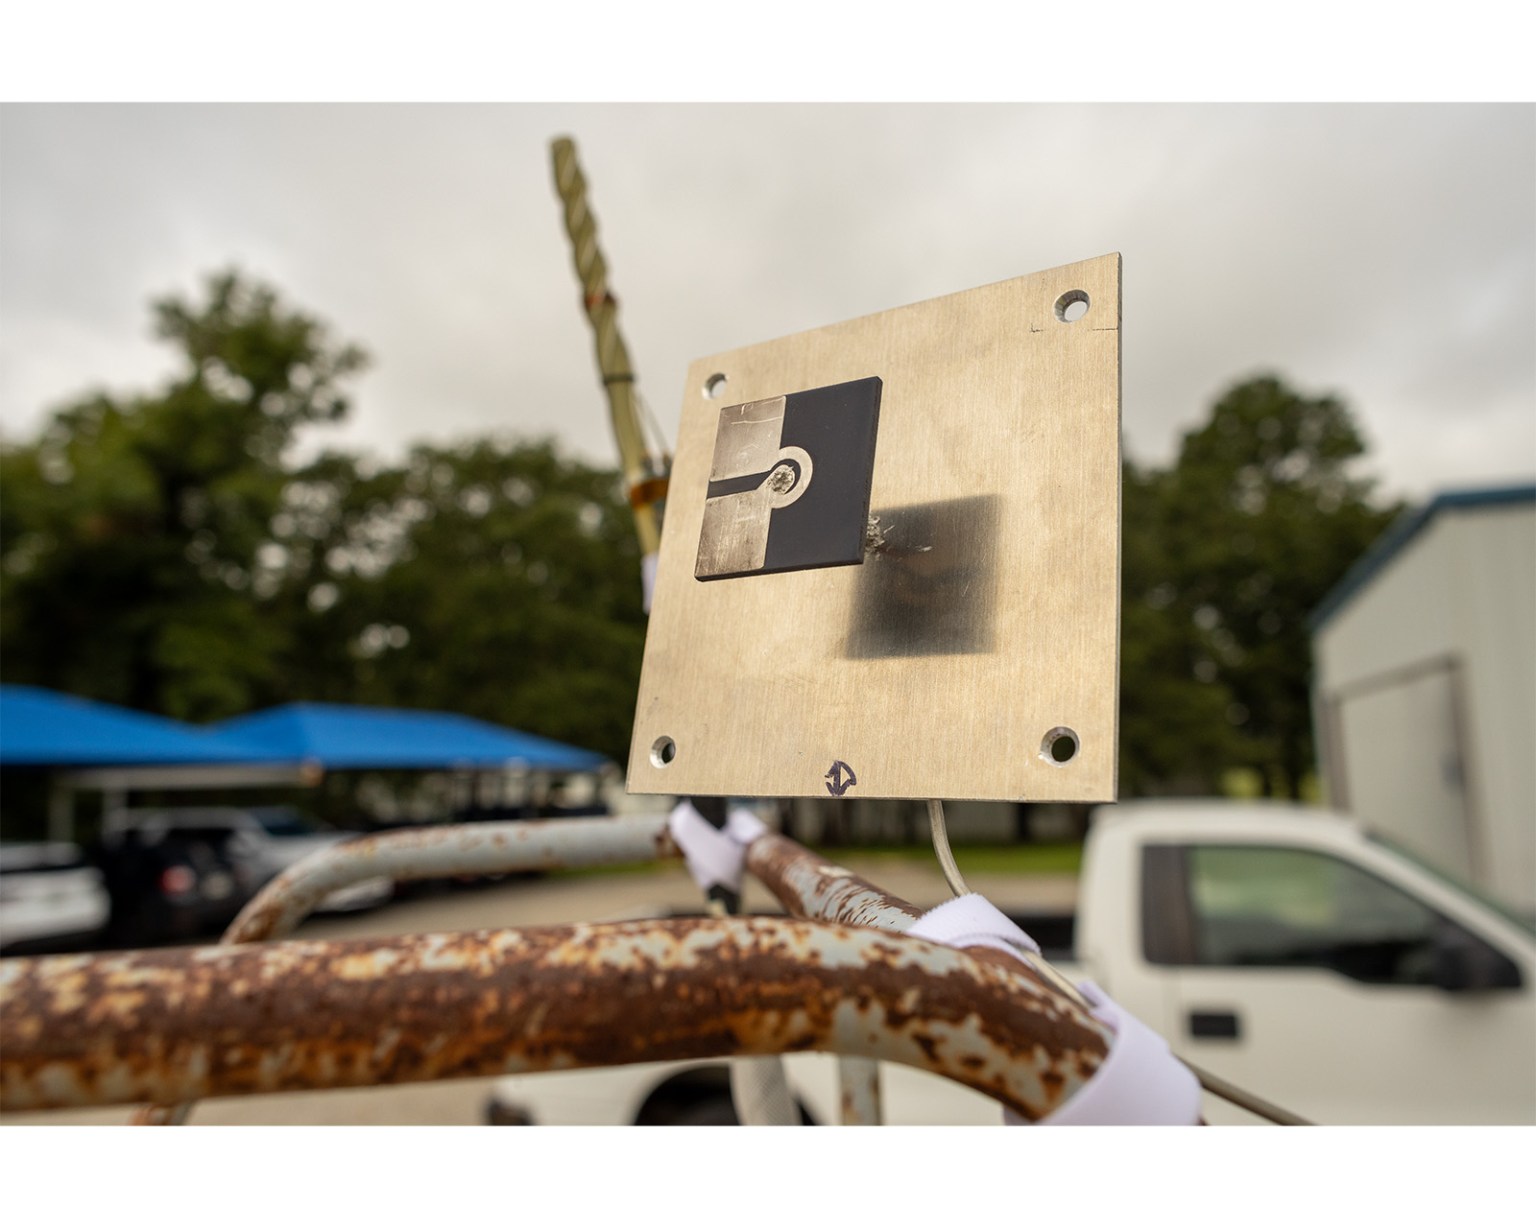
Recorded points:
(1386,253)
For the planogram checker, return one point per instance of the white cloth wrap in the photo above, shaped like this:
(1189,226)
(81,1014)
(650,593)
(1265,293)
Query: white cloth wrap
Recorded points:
(647,580)
(972,921)
(716,857)
(1140,1083)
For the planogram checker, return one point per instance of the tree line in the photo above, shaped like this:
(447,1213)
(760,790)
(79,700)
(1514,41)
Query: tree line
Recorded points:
(166,551)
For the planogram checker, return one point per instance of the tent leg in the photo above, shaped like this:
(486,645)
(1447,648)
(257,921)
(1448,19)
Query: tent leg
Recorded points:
(61,813)
(114,799)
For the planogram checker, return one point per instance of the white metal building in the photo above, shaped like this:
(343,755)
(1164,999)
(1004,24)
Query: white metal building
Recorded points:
(1425,688)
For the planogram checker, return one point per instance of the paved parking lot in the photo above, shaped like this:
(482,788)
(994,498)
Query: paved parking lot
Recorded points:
(549,901)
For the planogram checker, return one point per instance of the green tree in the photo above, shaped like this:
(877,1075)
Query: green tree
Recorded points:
(165,551)
(133,529)
(1176,733)
(496,579)
(1262,514)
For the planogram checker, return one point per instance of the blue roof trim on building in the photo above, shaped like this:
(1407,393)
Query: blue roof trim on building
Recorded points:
(1404,530)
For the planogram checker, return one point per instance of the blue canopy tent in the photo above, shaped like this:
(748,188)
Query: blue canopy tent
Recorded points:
(343,737)
(116,749)
(41,728)
(340,737)
(89,744)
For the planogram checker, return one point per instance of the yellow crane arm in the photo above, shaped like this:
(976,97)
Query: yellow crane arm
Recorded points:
(645,474)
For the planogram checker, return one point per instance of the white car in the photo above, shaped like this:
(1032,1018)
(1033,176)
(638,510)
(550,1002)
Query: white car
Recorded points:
(49,897)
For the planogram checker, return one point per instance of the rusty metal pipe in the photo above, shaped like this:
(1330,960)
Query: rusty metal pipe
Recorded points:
(811,886)
(858,1086)
(188,1023)
(439,852)
(432,852)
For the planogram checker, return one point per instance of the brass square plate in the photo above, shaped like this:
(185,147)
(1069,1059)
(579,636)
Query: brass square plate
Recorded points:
(974,652)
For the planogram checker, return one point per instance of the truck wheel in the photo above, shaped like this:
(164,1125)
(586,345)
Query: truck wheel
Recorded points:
(715,1111)
(719,1111)
(499,1113)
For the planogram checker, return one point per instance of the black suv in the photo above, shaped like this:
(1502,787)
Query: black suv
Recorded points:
(172,882)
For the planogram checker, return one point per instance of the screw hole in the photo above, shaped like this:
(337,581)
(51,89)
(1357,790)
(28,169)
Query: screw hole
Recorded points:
(714,386)
(1059,746)
(1072,306)
(663,751)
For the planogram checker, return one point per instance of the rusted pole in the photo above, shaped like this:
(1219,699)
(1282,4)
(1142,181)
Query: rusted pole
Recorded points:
(858,1083)
(187,1023)
(432,852)
(811,886)
(1233,1094)
(439,852)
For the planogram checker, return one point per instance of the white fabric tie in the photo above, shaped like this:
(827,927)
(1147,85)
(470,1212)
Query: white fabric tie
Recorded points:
(972,921)
(647,581)
(716,857)
(1140,1082)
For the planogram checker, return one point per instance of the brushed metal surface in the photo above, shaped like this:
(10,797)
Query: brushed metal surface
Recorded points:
(747,440)
(734,535)
(977,645)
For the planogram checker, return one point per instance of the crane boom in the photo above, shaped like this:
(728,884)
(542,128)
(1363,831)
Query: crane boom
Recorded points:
(645,474)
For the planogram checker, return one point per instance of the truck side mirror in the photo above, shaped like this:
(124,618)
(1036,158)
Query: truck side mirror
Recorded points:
(1467,964)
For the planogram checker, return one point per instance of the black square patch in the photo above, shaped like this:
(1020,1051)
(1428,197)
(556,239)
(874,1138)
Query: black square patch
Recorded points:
(790,482)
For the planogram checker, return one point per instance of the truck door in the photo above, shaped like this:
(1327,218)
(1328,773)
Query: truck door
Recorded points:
(1324,988)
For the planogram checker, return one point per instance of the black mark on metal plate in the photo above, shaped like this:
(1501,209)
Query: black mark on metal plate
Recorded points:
(930,588)
(840,778)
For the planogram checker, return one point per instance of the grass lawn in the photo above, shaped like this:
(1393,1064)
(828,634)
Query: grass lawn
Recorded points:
(972,858)
(979,858)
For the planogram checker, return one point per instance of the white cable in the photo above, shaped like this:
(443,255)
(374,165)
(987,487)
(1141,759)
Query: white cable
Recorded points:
(941,848)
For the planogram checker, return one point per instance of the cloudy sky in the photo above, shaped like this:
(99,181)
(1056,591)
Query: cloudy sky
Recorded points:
(1386,253)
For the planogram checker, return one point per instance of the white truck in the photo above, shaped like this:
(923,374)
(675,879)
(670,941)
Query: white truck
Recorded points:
(1281,948)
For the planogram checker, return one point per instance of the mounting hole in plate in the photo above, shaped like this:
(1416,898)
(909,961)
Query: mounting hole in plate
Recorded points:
(714,386)
(1059,746)
(1072,306)
(663,751)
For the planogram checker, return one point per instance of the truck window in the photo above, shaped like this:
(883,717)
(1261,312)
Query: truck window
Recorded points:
(1526,921)
(1273,907)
